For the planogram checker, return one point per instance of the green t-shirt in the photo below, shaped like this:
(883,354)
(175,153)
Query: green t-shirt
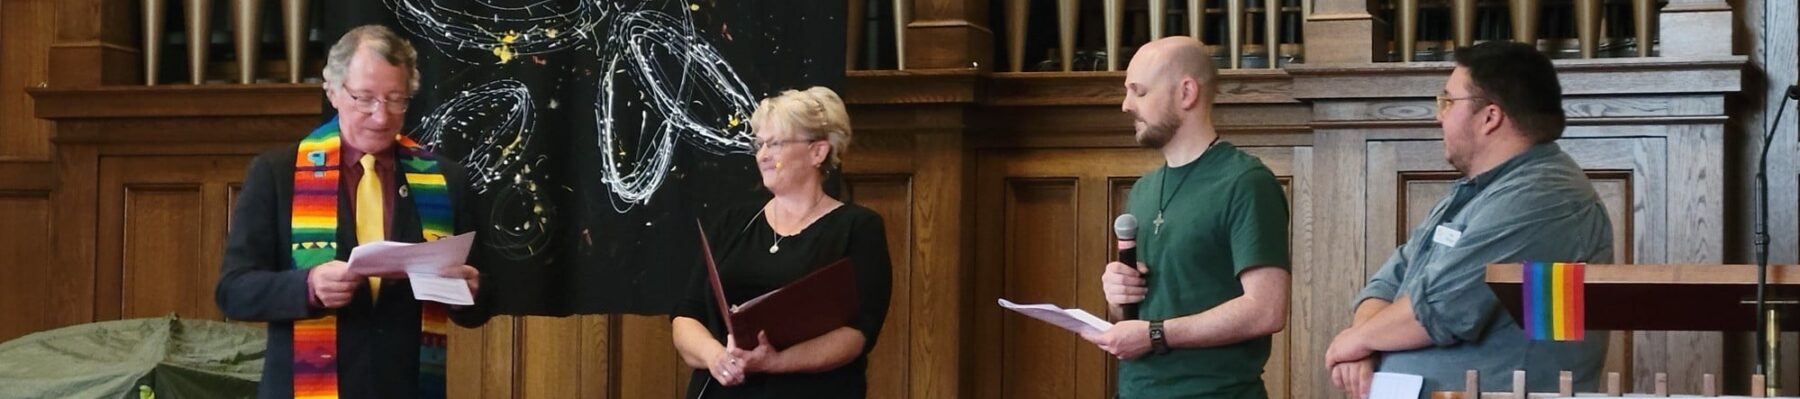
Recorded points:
(1223,213)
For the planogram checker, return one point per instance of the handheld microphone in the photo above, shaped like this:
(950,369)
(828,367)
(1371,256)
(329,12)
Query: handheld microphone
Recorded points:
(1125,228)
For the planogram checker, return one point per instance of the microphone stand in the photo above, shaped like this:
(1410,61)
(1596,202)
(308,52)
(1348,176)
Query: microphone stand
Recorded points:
(1767,332)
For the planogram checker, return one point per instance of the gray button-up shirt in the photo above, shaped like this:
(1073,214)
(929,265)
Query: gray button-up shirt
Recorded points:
(1537,206)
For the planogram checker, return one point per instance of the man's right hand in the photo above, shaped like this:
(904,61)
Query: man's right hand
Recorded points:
(1123,284)
(1354,377)
(333,284)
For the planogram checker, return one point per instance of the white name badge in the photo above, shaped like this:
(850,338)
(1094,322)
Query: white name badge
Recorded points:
(1446,236)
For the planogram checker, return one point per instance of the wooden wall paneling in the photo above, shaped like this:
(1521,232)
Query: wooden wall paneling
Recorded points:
(1041,267)
(986,352)
(1044,232)
(889,363)
(29,27)
(25,203)
(644,350)
(549,367)
(941,257)
(1293,166)
(570,357)
(72,294)
(1695,235)
(482,360)
(1321,310)
(162,233)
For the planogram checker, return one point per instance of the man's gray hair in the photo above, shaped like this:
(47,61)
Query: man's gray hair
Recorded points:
(384,42)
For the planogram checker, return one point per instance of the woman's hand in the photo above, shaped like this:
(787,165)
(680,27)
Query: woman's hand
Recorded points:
(753,361)
(727,369)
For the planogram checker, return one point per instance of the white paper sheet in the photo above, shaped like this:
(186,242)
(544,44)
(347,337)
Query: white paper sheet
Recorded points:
(421,264)
(1075,320)
(1395,386)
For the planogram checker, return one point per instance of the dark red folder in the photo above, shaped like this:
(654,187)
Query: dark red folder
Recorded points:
(809,307)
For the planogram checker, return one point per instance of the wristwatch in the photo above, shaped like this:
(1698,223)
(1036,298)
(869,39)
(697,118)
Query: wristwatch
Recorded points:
(1157,343)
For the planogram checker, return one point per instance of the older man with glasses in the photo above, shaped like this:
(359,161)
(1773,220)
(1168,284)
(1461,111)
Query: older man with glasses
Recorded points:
(1521,198)
(333,331)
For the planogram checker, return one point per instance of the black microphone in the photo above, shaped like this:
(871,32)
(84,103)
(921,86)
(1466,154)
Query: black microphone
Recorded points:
(1125,227)
(1760,235)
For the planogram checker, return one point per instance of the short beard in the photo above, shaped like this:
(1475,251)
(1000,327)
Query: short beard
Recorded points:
(1157,135)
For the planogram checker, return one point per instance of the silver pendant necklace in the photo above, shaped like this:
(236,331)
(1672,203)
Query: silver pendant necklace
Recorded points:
(776,247)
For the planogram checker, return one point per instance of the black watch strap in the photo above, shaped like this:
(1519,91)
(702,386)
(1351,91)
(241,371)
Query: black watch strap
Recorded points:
(1158,342)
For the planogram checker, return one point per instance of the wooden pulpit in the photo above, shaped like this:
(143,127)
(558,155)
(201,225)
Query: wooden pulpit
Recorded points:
(1683,297)
(1674,297)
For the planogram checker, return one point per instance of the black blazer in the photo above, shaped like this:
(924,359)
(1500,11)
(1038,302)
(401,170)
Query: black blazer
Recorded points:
(378,341)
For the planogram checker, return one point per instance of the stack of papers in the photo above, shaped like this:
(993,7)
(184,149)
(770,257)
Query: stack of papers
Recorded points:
(421,263)
(1075,320)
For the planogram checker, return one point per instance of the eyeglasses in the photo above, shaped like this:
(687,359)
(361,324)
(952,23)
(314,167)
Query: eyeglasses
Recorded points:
(368,104)
(760,144)
(1443,102)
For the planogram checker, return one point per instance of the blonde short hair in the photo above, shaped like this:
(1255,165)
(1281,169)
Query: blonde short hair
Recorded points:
(817,111)
(384,42)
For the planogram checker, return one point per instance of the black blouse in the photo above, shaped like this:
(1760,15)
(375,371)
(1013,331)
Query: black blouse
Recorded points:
(741,238)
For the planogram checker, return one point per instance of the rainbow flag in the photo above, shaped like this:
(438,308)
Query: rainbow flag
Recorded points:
(1554,306)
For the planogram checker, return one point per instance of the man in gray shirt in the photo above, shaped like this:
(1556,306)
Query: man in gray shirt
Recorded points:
(1428,311)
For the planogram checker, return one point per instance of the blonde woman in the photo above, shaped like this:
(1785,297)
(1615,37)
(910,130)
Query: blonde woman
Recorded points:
(800,135)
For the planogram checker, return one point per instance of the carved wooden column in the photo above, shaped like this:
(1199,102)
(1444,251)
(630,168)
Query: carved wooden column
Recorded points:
(1343,31)
(948,34)
(1691,28)
(95,44)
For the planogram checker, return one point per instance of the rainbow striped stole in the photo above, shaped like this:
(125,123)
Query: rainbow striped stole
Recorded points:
(314,242)
(1554,307)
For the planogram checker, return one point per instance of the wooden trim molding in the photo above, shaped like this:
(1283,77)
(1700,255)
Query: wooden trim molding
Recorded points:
(1619,76)
(27,177)
(255,100)
(912,86)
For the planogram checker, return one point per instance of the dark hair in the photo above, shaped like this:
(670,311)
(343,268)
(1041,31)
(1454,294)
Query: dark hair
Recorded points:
(1521,81)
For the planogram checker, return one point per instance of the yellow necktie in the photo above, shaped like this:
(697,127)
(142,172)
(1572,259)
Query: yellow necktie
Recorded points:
(370,223)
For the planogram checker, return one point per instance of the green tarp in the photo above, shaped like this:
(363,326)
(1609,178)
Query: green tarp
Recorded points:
(162,357)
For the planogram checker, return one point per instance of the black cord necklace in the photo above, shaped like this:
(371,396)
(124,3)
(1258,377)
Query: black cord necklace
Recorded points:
(1164,200)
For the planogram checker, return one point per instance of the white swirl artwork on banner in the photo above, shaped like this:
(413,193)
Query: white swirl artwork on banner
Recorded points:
(696,97)
(466,33)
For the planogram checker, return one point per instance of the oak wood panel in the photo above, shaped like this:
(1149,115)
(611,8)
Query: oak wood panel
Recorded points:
(889,363)
(1617,76)
(162,230)
(1322,310)
(644,352)
(941,258)
(27,177)
(1042,268)
(481,360)
(161,260)
(564,357)
(174,101)
(1695,206)
(23,240)
(29,27)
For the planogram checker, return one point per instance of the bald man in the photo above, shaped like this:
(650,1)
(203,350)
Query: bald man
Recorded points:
(1212,284)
